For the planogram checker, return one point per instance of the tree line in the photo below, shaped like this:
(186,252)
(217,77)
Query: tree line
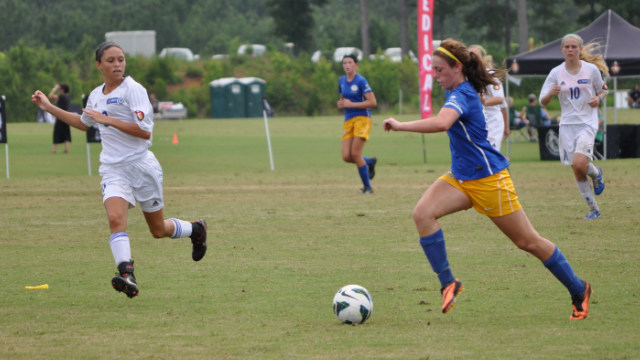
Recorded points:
(44,43)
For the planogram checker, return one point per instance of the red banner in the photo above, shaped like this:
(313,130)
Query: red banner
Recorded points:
(425,51)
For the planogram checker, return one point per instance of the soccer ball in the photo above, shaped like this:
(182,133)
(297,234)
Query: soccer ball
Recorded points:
(353,304)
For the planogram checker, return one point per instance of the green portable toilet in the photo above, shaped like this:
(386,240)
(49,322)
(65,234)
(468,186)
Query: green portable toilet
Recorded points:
(253,94)
(227,98)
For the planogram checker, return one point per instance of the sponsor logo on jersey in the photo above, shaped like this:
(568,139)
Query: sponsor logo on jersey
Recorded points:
(562,83)
(584,81)
(354,88)
(496,87)
(115,100)
(140,115)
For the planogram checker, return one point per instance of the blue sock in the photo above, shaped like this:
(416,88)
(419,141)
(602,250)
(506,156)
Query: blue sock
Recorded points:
(364,175)
(433,246)
(367,160)
(561,269)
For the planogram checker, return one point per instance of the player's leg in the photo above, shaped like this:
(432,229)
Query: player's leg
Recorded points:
(176,228)
(363,170)
(346,150)
(580,166)
(439,200)
(149,194)
(362,129)
(117,210)
(575,144)
(518,228)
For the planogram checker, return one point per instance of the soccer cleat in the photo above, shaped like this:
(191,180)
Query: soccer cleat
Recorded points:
(199,239)
(124,281)
(598,182)
(366,190)
(592,215)
(449,294)
(581,303)
(372,167)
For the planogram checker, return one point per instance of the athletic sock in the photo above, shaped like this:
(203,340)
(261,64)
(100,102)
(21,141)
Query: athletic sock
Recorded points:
(434,248)
(181,229)
(364,175)
(587,194)
(120,247)
(562,270)
(367,160)
(592,171)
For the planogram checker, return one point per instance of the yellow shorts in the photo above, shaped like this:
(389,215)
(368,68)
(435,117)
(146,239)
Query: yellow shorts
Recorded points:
(493,195)
(359,126)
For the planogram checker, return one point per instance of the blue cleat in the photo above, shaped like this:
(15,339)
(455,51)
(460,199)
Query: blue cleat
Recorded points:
(592,215)
(598,182)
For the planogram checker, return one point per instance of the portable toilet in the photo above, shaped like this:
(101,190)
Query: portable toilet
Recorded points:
(253,93)
(227,98)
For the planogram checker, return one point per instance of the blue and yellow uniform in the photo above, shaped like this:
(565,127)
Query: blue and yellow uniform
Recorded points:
(477,169)
(357,122)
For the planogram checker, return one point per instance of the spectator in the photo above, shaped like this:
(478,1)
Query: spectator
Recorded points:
(536,114)
(634,97)
(154,103)
(517,120)
(61,130)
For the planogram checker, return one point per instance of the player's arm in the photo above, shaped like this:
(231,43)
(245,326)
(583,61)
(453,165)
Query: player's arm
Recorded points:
(439,123)
(492,101)
(369,102)
(73,119)
(132,129)
(505,117)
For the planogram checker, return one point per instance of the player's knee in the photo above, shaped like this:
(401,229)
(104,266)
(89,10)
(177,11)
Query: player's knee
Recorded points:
(422,217)
(347,158)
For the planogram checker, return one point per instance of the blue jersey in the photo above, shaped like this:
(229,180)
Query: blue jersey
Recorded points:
(354,91)
(472,156)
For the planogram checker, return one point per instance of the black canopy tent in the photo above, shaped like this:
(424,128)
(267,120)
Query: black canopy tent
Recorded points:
(619,41)
(619,44)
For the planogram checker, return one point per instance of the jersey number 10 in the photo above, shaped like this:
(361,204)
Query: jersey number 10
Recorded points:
(575,93)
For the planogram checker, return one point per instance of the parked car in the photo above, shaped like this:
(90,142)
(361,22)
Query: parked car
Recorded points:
(394,54)
(340,52)
(254,50)
(180,53)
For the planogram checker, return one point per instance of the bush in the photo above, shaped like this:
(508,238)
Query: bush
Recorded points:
(294,86)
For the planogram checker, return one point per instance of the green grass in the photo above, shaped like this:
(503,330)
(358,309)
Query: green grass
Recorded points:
(282,242)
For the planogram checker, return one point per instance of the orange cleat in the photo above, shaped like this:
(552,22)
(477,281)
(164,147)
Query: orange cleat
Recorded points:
(449,294)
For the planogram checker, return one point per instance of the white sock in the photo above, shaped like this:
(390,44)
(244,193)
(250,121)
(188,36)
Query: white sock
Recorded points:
(587,194)
(120,247)
(592,171)
(182,228)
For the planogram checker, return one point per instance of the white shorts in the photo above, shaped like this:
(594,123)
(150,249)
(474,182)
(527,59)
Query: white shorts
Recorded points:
(576,139)
(139,180)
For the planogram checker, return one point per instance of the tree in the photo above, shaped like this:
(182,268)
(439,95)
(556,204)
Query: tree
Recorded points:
(523,31)
(404,27)
(293,20)
(364,27)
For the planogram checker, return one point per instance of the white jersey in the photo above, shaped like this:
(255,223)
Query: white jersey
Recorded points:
(493,115)
(576,92)
(128,102)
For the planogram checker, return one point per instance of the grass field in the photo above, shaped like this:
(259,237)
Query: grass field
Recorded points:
(282,242)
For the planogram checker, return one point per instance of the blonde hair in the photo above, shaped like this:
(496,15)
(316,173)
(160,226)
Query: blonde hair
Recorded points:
(589,53)
(486,59)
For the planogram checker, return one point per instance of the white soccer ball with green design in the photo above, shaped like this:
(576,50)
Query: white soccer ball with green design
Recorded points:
(353,304)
